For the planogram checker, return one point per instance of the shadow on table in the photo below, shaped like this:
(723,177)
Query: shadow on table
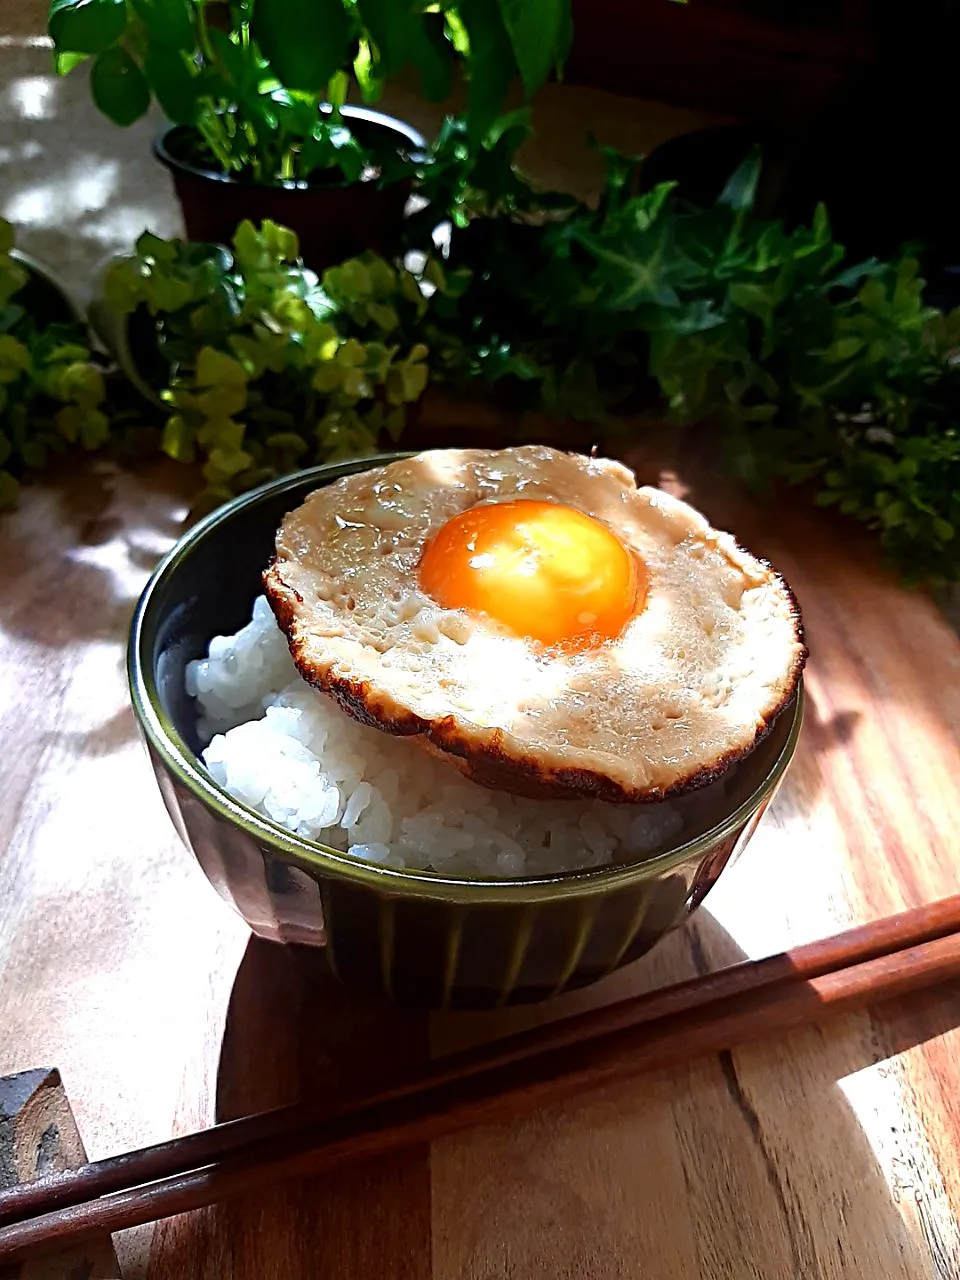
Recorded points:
(76,555)
(79,548)
(527,1199)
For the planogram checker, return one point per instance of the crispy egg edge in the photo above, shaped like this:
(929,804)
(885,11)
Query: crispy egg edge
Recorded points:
(485,755)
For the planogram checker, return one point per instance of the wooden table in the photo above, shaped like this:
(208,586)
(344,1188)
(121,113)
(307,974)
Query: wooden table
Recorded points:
(829,1153)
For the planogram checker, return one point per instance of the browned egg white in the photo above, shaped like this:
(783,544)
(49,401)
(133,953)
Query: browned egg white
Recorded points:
(642,653)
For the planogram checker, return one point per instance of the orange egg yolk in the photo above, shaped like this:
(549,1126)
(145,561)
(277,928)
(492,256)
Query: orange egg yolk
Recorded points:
(545,571)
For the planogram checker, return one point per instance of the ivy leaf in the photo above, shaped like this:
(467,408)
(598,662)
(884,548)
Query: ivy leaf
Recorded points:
(741,187)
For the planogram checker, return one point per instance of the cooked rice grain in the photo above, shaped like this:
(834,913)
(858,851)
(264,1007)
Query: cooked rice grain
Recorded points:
(291,754)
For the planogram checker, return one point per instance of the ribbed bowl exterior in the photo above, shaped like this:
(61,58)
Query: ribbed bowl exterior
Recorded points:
(419,940)
(438,953)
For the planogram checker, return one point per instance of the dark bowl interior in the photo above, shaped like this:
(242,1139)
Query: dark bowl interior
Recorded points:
(213,593)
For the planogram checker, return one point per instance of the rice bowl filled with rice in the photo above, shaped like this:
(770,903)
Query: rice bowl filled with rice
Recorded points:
(374,705)
(292,755)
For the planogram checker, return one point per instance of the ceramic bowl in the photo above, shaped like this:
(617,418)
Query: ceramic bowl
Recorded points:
(419,938)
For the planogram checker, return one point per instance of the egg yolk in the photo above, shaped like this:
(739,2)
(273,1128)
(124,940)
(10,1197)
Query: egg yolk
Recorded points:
(545,571)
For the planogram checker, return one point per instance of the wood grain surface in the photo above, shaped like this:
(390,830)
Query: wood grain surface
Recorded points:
(832,1152)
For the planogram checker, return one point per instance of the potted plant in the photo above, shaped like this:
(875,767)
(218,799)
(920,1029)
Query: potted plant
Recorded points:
(261,98)
(50,389)
(256,366)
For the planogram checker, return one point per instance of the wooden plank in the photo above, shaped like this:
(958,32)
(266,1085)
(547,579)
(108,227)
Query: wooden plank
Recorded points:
(289,1027)
(39,1136)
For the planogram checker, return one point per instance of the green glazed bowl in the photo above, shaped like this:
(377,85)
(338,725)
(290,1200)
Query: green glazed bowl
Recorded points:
(422,939)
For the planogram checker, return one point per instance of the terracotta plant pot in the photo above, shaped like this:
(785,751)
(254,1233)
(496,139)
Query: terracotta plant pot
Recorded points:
(333,220)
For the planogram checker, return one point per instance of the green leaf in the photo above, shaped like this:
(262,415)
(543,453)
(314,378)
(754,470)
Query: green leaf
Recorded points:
(64,63)
(892,514)
(13,353)
(331,148)
(414,380)
(223,433)
(457,32)
(86,26)
(356,385)
(241,67)
(304,43)
(169,21)
(81,382)
(843,349)
(119,87)
(34,454)
(378,358)
(388,22)
(756,299)
(535,28)
(491,64)
(178,440)
(338,87)
(288,442)
(9,491)
(67,421)
(173,84)
(352,354)
(395,422)
(94,430)
(564,35)
(214,368)
(432,55)
(226,463)
(741,189)
(328,377)
(222,401)
(383,315)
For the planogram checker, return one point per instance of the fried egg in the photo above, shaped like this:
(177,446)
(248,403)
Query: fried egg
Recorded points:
(539,620)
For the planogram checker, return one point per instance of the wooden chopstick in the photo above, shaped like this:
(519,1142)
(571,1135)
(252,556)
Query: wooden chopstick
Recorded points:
(493,1082)
(165,1159)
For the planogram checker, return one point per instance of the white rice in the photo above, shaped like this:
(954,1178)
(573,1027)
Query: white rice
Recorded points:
(291,754)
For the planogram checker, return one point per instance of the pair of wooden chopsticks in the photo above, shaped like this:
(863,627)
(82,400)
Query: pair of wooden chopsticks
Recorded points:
(492,1082)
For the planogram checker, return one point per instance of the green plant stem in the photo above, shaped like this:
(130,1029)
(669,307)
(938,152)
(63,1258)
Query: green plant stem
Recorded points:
(203,33)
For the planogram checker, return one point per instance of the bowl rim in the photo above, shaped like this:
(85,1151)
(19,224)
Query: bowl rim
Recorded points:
(166,742)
